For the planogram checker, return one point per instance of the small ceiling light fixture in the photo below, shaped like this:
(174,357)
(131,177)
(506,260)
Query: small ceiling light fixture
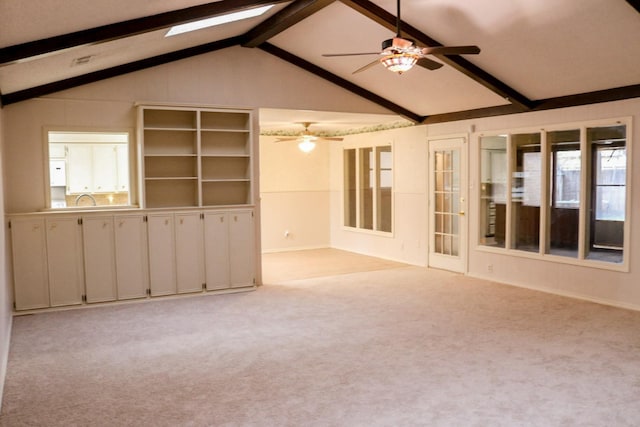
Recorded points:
(217,20)
(399,62)
(307,145)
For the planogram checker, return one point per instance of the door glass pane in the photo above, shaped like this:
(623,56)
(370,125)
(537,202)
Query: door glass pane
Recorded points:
(526,192)
(565,161)
(493,196)
(350,188)
(608,193)
(447,201)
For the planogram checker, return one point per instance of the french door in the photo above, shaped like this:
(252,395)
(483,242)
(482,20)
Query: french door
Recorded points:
(448,204)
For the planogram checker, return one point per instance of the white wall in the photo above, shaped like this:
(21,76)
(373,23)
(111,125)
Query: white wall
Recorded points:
(6,305)
(237,77)
(294,191)
(408,243)
(409,240)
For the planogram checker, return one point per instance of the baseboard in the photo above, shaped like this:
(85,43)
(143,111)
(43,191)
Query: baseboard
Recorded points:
(4,359)
(553,291)
(296,248)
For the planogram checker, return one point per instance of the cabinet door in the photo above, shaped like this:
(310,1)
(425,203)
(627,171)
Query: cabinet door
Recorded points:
(216,244)
(131,260)
(28,246)
(122,161)
(105,173)
(162,266)
(241,249)
(79,168)
(99,259)
(64,255)
(189,252)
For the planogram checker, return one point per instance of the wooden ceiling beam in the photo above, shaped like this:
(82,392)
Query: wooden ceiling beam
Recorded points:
(290,15)
(24,51)
(339,81)
(470,70)
(634,4)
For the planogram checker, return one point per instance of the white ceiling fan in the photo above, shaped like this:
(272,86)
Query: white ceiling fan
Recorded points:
(307,140)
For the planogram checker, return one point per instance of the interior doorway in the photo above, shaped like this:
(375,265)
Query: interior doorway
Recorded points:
(448,204)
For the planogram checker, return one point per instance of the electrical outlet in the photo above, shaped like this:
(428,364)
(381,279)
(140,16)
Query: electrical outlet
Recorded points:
(490,268)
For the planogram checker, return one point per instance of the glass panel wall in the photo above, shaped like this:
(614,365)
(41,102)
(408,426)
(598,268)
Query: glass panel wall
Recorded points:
(493,187)
(564,218)
(526,191)
(447,201)
(608,192)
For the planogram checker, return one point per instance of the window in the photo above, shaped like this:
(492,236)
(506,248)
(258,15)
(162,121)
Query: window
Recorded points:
(567,194)
(368,188)
(88,169)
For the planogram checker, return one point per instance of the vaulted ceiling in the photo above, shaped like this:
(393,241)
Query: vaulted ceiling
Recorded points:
(534,55)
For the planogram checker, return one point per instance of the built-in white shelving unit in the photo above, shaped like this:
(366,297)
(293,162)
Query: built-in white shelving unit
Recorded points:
(195,157)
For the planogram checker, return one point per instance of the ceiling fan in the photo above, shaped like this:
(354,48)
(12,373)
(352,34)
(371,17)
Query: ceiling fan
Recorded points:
(400,54)
(307,140)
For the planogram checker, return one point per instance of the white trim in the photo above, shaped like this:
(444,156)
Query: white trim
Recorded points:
(554,291)
(4,358)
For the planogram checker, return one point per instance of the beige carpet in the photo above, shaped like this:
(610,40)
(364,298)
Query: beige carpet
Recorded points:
(397,347)
(282,266)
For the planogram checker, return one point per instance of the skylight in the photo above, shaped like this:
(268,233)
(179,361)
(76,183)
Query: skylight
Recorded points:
(217,20)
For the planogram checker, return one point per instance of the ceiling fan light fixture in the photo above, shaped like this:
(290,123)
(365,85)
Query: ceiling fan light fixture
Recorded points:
(306,145)
(399,62)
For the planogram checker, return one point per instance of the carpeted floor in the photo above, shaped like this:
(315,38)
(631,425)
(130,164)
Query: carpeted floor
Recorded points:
(406,346)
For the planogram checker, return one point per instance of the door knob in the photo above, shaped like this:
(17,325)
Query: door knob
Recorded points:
(461,213)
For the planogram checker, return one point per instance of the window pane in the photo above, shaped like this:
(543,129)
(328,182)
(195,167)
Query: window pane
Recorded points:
(350,188)
(493,197)
(385,180)
(366,188)
(526,192)
(565,161)
(608,192)
(88,169)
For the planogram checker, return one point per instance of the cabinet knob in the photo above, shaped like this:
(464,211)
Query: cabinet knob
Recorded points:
(221,219)
(181,221)
(235,218)
(166,222)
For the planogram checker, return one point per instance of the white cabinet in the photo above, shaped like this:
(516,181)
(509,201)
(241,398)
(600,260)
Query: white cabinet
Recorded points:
(241,249)
(79,169)
(28,242)
(99,259)
(176,258)
(47,262)
(105,170)
(97,168)
(64,259)
(229,249)
(216,237)
(162,267)
(189,252)
(130,240)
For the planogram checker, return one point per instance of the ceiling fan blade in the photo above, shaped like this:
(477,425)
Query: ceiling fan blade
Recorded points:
(327,138)
(429,64)
(286,139)
(366,67)
(350,54)
(451,50)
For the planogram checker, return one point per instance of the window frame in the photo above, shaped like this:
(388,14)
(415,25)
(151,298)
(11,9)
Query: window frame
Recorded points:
(375,167)
(546,195)
(132,162)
